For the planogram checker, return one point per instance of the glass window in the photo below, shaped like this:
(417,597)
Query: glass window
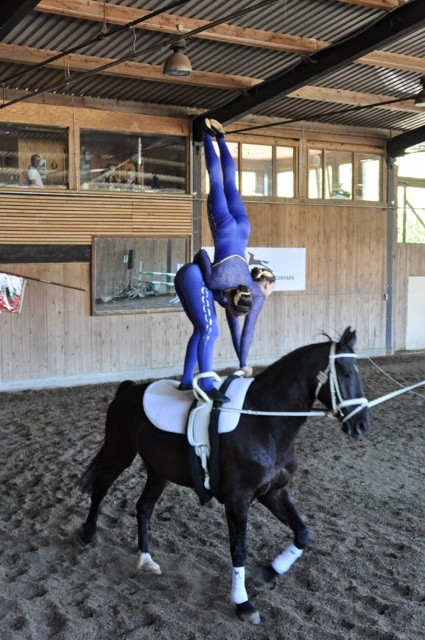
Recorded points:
(285,174)
(131,162)
(368,177)
(339,174)
(411,214)
(256,170)
(315,173)
(412,165)
(33,157)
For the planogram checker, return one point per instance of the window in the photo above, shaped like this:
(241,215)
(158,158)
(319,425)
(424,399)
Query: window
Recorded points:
(266,170)
(368,177)
(256,170)
(411,212)
(338,174)
(285,172)
(33,157)
(340,170)
(130,162)
(315,173)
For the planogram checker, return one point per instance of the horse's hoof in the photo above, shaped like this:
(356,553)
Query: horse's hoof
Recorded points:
(145,563)
(263,574)
(247,613)
(83,538)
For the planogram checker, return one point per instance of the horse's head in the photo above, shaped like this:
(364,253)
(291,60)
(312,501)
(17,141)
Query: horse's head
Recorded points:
(340,388)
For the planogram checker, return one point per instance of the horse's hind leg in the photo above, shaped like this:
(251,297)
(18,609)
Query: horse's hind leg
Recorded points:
(280,503)
(145,505)
(98,479)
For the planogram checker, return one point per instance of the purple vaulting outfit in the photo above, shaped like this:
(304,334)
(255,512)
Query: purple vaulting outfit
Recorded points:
(230,228)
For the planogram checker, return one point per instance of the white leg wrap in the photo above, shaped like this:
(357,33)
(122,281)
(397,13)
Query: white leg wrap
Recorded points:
(286,559)
(239,593)
(145,563)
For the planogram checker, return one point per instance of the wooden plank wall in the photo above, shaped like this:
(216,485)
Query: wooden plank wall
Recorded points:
(36,218)
(346,247)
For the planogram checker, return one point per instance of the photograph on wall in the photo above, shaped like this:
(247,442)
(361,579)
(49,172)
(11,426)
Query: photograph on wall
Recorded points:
(132,274)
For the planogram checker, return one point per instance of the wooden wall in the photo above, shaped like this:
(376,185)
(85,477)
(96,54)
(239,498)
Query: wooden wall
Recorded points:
(56,339)
(68,218)
(56,336)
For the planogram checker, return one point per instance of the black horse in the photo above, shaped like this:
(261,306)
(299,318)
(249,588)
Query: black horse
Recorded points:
(257,459)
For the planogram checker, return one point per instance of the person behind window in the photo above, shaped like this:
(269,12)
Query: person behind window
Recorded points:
(230,228)
(34,178)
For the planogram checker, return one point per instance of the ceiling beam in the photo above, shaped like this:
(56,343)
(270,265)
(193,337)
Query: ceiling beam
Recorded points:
(174,24)
(390,27)
(355,98)
(12,12)
(398,145)
(384,5)
(137,70)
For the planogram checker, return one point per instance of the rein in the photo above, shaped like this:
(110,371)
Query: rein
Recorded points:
(322,377)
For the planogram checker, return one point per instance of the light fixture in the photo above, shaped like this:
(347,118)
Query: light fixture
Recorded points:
(177,64)
(420,98)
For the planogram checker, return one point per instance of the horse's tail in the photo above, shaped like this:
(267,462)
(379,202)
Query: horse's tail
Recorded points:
(93,471)
(124,385)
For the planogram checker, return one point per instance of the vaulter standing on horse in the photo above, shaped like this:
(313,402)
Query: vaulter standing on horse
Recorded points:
(228,279)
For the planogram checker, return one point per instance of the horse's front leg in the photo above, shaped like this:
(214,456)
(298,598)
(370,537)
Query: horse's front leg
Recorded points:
(280,503)
(237,517)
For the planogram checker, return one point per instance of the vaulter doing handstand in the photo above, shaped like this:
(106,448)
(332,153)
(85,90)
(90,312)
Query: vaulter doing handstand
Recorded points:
(228,279)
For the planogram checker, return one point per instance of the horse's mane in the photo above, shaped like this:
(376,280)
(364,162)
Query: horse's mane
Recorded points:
(287,362)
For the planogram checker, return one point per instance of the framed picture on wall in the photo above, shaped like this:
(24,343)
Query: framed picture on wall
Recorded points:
(131,274)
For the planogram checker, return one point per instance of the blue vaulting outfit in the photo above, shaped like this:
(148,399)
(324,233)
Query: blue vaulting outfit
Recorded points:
(200,283)
(230,228)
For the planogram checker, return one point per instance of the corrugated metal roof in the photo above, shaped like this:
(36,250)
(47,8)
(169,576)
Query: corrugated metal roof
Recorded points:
(329,20)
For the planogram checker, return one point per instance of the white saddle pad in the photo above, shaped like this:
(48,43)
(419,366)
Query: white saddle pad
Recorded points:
(167,407)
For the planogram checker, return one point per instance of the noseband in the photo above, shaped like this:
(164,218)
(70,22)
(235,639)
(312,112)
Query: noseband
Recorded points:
(338,402)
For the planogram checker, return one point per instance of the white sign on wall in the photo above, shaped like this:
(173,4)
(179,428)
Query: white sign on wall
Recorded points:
(288,265)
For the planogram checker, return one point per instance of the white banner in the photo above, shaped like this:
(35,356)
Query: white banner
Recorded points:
(288,265)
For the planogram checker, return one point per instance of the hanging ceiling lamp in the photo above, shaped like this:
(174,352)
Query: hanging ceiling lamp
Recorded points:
(420,98)
(177,64)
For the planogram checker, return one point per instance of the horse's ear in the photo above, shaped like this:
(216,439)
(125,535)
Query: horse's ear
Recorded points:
(348,338)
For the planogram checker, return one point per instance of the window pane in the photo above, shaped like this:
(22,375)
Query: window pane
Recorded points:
(339,174)
(368,171)
(411,214)
(125,162)
(412,165)
(315,173)
(285,175)
(31,156)
(256,170)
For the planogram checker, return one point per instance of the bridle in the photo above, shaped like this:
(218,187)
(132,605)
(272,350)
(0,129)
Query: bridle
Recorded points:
(338,402)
